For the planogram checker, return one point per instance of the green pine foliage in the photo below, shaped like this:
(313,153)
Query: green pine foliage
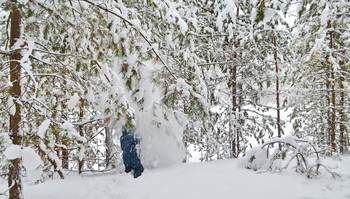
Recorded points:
(204,68)
(321,49)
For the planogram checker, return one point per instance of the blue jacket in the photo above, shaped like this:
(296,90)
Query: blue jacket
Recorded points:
(128,141)
(128,144)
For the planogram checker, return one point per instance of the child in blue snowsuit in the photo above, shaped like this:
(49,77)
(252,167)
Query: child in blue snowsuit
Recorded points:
(131,160)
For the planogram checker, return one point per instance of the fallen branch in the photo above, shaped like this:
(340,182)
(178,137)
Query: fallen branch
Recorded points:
(293,148)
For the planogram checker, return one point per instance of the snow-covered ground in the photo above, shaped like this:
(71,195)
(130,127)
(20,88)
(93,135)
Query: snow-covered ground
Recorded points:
(219,180)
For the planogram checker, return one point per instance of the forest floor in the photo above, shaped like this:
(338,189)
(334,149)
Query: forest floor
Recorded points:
(218,179)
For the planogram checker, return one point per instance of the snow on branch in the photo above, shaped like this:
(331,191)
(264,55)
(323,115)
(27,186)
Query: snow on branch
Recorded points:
(300,152)
(134,26)
(6,52)
(52,158)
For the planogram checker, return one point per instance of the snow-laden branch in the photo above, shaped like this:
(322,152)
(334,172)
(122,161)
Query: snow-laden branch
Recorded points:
(215,63)
(8,53)
(138,29)
(38,50)
(52,158)
(292,148)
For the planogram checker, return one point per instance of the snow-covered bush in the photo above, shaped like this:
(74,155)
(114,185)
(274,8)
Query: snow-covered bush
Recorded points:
(279,153)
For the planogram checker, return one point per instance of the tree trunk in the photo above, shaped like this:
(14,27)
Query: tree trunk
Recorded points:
(63,139)
(332,96)
(333,122)
(279,129)
(342,129)
(14,179)
(81,133)
(110,149)
(235,145)
(65,156)
(235,141)
(329,122)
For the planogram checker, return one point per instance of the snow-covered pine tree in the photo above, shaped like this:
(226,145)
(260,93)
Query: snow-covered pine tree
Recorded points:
(83,66)
(237,73)
(273,37)
(86,66)
(322,40)
(172,27)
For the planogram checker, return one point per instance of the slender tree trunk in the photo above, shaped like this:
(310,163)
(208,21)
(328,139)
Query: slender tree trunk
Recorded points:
(342,128)
(235,146)
(65,155)
(81,133)
(14,179)
(62,153)
(279,129)
(110,149)
(235,141)
(333,122)
(332,96)
(329,121)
